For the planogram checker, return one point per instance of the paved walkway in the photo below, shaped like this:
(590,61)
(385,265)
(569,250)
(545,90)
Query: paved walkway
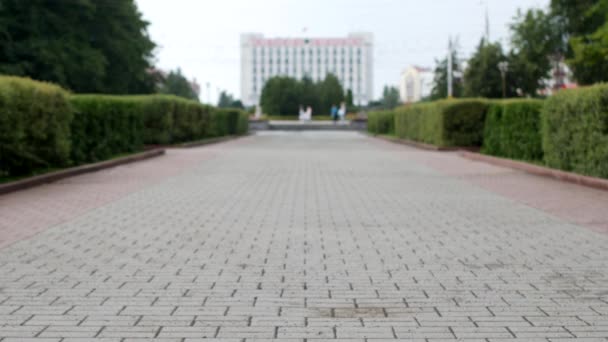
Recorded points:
(302,236)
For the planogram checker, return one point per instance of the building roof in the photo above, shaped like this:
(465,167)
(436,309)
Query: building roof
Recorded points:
(307,41)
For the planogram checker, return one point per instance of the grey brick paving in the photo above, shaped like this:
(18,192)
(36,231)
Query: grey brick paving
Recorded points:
(308,237)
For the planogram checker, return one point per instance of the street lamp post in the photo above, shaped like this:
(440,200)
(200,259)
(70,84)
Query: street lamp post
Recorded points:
(503,67)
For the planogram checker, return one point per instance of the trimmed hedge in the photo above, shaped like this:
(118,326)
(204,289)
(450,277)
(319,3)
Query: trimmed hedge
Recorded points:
(168,119)
(35,122)
(512,129)
(443,123)
(43,127)
(105,126)
(381,122)
(228,122)
(575,130)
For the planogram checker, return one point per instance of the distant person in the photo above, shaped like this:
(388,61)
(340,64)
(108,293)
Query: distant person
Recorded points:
(334,113)
(301,114)
(308,113)
(342,111)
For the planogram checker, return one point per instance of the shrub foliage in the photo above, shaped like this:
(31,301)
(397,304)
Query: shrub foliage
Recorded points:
(512,130)
(42,126)
(443,123)
(104,126)
(381,122)
(575,130)
(35,122)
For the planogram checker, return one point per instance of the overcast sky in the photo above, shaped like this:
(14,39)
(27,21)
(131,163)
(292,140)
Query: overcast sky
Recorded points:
(202,36)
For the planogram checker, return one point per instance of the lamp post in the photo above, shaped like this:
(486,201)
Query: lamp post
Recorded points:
(503,67)
(450,67)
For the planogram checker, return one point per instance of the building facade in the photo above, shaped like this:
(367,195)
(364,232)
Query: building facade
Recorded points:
(350,59)
(415,84)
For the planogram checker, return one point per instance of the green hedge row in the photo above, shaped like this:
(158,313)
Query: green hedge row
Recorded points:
(381,122)
(103,129)
(42,126)
(443,123)
(575,130)
(512,130)
(568,131)
(35,122)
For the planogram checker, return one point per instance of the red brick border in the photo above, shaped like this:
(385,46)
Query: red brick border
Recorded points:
(74,171)
(593,182)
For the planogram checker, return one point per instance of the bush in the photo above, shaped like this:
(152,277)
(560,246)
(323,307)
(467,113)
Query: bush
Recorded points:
(190,121)
(381,122)
(42,126)
(228,122)
(443,123)
(575,130)
(34,126)
(512,130)
(105,126)
(164,119)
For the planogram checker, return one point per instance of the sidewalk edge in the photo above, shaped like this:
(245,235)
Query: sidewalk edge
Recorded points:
(30,182)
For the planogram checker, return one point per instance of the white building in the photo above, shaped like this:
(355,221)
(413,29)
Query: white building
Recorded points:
(350,59)
(415,84)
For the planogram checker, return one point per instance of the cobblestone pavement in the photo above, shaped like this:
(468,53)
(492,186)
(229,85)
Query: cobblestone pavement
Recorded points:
(307,236)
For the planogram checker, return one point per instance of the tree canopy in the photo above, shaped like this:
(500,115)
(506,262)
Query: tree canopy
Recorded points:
(226,100)
(177,84)
(83,45)
(390,97)
(583,25)
(284,95)
(537,42)
(482,77)
(574,31)
(440,80)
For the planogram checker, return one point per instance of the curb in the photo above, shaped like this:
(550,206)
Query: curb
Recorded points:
(74,171)
(197,143)
(209,141)
(592,182)
(419,145)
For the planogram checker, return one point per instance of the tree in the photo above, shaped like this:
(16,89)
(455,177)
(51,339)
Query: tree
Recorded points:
(226,100)
(577,17)
(440,80)
(280,96)
(390,97)
(330,93)
(120,32)
(83,45)
(308,94)
(536,41)
(482,78)
(583,24)
(285,95)
(349,99)
(176,84)
(590,63)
